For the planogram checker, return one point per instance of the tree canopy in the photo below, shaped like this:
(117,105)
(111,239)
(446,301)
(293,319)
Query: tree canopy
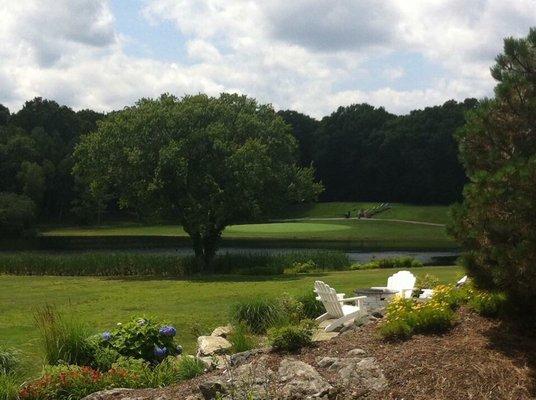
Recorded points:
(497,221)
(205,162)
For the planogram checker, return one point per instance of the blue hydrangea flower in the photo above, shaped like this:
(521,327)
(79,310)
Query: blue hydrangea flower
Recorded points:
(168,330)
(106,336)
(160,351)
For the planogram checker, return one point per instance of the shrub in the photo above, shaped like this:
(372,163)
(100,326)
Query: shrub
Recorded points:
(488,304)
(241,339)
(141,338)
(17,213)
(9,360)
(9,386)
(104,357)
(189,367)
(407,316)
(258,314)
(428,281)
(312,308)
(451,296)
(302,267)
(63,339)
(396,262)
(291,337)
(291,310)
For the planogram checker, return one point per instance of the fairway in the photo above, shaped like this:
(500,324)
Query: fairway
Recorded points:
(285,228)
(350,233)
(202,303)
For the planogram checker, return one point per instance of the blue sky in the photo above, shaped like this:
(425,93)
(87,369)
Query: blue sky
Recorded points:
(308,55)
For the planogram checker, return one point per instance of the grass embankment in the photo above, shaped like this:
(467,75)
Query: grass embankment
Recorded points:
(409,212)
(187,304)
(352,233)
(162,265)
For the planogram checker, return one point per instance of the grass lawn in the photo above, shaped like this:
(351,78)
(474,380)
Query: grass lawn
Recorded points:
(185,303)
(359,233)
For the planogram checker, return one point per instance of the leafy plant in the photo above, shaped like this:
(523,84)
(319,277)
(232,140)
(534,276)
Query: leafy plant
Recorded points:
(312,308)
(189,367)
(9,386)
(141,338)
(9,360)
(428,281)
(488,304)
(291,337)
(395,262)
(257,314)
(302,267)
(241,339)
(63,338)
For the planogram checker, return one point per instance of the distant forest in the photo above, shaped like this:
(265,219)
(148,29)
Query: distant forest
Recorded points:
(359,152)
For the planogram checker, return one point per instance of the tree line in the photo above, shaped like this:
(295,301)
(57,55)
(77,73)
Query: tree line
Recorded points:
(359,153)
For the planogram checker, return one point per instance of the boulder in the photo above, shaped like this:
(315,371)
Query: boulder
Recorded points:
(356,353)
(320,335)
(222,331)
(356,371)
(209,345)
(300,381)
(129,394)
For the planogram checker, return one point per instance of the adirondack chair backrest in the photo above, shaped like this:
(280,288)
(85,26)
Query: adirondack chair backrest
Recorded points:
(402,280)
(328,297)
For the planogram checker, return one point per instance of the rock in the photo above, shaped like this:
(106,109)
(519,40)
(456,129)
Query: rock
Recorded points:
(251,380)
(222,331)
(129,394)
(300,381)
(209,345)
(356,353)
(357,371)
(212,387)
(379,313)
(215,362)
(326,362)
(320,335)
(242,357)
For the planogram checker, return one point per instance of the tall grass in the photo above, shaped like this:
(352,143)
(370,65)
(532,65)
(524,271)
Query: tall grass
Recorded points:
(136,264)
(257,314)
(63,339)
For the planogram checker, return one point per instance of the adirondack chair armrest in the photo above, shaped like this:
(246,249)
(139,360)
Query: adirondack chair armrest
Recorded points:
(339,295)
(349,299)
(379,287)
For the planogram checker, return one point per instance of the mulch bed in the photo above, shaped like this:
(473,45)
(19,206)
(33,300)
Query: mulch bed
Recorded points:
(478,359)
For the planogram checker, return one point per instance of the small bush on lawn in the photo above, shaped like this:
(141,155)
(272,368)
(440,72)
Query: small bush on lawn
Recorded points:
(141,338)
(291,310)
(312,308)
(291,337)
(488,304)
(242,339)
(396,262)
(451,296)
(63,338)
(258,314)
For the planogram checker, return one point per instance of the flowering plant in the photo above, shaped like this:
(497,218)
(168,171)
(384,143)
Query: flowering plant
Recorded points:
(141,338)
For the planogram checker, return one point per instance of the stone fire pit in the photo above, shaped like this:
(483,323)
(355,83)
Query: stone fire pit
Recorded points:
(376,298)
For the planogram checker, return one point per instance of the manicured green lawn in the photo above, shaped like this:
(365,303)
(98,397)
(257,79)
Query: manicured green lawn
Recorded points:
(185,303)
(359,233)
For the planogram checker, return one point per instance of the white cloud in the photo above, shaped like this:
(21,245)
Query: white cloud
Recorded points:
(299,54)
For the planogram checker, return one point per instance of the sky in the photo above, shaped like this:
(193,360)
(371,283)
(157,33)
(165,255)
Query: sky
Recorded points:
(308,55)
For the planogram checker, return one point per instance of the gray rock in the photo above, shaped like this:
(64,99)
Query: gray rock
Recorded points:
(356,353)
(326,362)
(357,371)
(212,387)
(320,335)
(118,393)
(209,345)
(242,357)
(301,381)
(222,331)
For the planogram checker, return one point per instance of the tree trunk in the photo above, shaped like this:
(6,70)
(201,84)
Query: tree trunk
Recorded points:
(205,247)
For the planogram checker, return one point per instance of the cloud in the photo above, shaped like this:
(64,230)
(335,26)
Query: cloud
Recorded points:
(307,55)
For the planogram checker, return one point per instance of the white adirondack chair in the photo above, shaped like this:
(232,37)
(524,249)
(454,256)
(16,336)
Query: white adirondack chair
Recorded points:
(428,293)
(402,282)
(335,307)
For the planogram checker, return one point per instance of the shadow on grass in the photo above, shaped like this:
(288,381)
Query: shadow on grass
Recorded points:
(519,345)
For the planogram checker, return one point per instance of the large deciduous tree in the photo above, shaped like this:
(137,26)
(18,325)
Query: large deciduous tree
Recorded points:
(497,221)
(207,162)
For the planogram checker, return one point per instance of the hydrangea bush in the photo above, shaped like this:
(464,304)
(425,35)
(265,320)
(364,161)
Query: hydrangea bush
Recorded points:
(141,338)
